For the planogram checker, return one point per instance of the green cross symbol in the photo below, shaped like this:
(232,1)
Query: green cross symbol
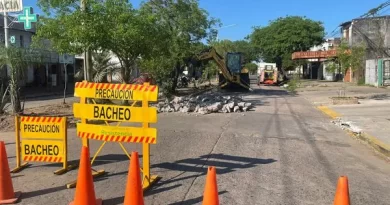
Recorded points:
(27,17)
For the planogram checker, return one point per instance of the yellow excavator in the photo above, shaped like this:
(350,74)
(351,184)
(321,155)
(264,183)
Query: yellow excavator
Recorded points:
(231,70)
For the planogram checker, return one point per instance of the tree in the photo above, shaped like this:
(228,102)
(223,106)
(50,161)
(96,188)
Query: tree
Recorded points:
(17,60)
(284,36)
(350,57)
(252,67)
(101,66)
(243,46)
(68,27)
(185,26)
(131,34)
(110,26)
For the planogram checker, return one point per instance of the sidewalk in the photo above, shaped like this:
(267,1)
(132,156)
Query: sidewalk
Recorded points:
(369,120)
(372,119)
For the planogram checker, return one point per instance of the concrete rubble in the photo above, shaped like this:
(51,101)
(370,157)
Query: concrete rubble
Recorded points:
(347,125)
(205,104)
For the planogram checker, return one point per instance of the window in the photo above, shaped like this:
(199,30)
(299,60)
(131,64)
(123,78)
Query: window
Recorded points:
(21,42)
(269,67)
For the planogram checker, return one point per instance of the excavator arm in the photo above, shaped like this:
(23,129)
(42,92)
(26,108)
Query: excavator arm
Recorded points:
(211,54)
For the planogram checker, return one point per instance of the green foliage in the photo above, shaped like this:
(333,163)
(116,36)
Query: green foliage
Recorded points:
(110,25)
(351,57)
(224,46)
(159,36)
(210,71)
(283,36)
(293,83)
(101,67)
(252,67)
(361,81)
(17,60)
(5,98)
(332,66)
(185,25)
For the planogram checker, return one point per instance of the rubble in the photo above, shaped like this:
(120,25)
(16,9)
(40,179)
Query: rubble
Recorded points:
(347,125)
(205,104)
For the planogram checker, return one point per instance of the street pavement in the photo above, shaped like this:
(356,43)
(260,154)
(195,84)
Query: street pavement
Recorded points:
(283,152)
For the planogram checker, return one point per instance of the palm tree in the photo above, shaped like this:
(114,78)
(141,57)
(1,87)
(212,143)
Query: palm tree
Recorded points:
(101,67)
(17,60)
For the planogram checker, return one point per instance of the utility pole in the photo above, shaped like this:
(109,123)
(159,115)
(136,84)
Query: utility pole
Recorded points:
(6,30)
(87,54)
(6,33)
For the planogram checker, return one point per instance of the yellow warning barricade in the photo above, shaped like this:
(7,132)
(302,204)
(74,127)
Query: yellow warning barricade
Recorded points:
(41,139)
(120,114)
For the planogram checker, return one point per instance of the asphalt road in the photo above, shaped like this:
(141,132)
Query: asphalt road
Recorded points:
(283,152)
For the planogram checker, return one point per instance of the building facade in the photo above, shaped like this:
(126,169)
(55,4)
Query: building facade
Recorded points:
(372,33)
(49,72)
(320,59)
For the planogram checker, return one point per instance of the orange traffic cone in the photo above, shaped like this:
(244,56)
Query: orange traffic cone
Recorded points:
(210,196)
(134,193)
(85,191)
(342,192)
(7,194)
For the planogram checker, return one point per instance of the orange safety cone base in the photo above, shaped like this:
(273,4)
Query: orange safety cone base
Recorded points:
(98,202)
(13,200)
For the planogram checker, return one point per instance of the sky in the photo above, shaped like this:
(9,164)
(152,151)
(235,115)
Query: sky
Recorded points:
(245,14)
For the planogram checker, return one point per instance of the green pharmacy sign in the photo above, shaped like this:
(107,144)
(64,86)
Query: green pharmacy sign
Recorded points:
(13,40)
(27,18)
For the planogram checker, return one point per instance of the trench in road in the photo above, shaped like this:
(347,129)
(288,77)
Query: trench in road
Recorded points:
(223,128)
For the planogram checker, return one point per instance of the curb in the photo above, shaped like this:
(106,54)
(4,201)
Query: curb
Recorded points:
(327,111)
(374,142)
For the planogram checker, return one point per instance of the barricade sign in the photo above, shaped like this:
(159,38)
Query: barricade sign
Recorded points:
(41,139)
(116,91)
(117,113)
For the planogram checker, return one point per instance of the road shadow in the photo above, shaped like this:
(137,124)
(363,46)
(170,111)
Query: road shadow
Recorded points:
(121,199)
(100,160)
(16,176)
(230,164)
(198,165)
(31,194)
(194,200)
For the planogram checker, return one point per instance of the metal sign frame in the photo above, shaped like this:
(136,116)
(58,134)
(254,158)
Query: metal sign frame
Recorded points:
(62,138)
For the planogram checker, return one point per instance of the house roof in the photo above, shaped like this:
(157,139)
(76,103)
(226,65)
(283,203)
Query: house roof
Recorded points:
(366,18)
(15,25)
(345,23)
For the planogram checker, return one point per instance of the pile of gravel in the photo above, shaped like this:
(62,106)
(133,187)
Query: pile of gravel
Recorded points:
(205,104)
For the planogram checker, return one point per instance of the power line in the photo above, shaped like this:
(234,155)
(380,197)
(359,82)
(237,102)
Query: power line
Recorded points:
(371,12)
(374,11)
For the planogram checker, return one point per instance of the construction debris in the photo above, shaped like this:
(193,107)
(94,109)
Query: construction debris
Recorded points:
(347,125)
(205,104)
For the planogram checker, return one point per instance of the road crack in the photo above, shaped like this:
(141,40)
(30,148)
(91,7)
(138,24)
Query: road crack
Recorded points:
(223,130)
